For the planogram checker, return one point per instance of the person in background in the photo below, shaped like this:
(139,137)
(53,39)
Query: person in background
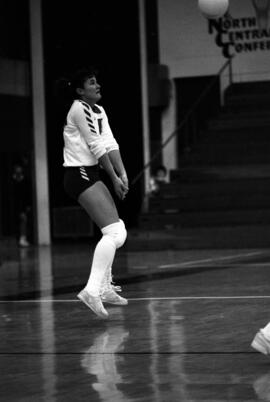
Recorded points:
(22,203)
(158,179)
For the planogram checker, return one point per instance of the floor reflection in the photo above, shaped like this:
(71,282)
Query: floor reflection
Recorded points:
(102,359)
(47,323)
(262,387)
(167,372)
(132,365)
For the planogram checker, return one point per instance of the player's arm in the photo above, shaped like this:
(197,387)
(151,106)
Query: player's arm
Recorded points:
(84,121)
(112,148)
(116,160)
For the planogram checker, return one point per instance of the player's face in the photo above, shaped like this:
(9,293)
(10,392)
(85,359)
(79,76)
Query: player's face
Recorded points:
(91,91)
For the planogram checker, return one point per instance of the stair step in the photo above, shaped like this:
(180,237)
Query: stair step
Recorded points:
(251,99)
(249,87)
(228,113)
(241,122)
(205,218)
(226,155)
(222,237)
(252,147)
(208,173)
(230,186)
(214,203)
(228,136)
(245,108)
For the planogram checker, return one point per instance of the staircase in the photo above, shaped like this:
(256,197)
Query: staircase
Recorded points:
(220,195)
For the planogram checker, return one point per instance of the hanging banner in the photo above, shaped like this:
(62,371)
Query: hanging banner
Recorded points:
(243,34)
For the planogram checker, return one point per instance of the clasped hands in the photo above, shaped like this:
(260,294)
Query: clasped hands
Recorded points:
(124,180)
(121,186)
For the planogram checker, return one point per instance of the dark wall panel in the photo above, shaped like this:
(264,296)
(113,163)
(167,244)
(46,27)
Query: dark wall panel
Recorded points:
(15,123)
(104,34)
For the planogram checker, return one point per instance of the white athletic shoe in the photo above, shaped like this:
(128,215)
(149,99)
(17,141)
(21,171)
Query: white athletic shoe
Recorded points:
(109,295)
(94,303)
(108,291)
(261,344)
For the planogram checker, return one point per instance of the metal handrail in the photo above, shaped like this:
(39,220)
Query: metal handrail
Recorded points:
(187,116)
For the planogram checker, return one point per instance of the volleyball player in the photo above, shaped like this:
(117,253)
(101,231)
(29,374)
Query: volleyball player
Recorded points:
(89,144)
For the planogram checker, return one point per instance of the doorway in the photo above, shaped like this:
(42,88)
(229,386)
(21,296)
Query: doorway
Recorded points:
(188,91)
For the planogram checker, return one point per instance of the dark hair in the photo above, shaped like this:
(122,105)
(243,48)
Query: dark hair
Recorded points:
(79,78)
(65,90)
(65,87)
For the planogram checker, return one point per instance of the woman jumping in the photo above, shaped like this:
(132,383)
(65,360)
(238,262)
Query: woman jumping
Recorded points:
(89,144)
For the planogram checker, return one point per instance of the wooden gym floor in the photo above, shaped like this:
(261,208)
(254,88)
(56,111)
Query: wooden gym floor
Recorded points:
(184,336)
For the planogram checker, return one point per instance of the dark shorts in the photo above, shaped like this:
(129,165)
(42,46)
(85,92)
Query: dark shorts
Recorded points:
(78,178)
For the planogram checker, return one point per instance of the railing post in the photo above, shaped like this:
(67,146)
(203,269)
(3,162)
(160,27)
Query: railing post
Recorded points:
(230,71)
(144,100)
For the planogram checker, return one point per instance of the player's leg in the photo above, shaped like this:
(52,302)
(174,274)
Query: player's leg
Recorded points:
(99,204)
(109,289)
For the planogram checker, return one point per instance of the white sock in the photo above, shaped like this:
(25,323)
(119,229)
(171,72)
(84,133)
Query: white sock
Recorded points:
(102,260)
(107,279)
(266,331)
(114,235)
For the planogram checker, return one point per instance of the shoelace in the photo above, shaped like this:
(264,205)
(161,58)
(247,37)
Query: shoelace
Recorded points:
(116,288)
(111,286)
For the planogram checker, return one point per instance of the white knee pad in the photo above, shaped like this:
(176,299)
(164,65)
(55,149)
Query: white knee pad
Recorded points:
(116,232)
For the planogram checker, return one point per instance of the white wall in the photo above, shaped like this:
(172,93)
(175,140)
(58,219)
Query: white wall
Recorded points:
(188,49)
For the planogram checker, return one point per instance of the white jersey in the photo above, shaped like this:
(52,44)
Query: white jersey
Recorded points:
(87,135)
